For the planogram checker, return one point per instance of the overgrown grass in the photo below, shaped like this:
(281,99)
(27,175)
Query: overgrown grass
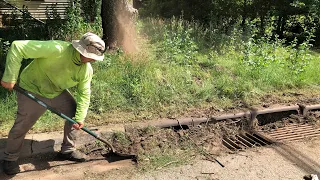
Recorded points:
(185,65)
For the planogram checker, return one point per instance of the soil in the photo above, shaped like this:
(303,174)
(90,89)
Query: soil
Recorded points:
(153,140)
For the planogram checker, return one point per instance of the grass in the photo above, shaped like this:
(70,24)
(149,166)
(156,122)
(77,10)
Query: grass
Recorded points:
(164,160)
(155,148)
(170,75)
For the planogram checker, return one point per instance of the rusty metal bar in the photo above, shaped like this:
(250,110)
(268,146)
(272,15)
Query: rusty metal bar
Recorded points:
(229,146)
(232,143)
(251,115)
(287,131)
(293,132)
(244,141)
(299,137)
(296,135)
(250,140)
(165,123)
(256,139)
(260,137)
(192,121)
(239,142)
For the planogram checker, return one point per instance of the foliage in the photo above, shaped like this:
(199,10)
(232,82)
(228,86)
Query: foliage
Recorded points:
(73,21)
(178,45)
(186,64)
(260,53)
(264,52)
(90,10)
(4,47)
(53,23)
(288,19)
(299,57)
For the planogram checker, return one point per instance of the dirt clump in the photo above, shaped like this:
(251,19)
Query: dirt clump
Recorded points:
(207,137)
(204,139)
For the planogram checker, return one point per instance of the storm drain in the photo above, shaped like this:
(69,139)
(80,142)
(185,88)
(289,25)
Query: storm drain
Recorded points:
(293,132)
(244,141)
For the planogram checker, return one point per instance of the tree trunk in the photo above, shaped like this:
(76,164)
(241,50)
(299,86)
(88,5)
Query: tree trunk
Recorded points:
(262,25)
(116,16)
(108,18)
(137,4)
(278,30)
(244,16)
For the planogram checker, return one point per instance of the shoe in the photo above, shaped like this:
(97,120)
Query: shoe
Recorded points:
(73,156)
(11,167)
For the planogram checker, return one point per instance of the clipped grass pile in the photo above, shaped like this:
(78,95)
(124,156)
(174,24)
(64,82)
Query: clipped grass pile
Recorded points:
(157,148)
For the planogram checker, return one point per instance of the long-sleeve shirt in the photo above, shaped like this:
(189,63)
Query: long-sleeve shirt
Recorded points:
(56,66)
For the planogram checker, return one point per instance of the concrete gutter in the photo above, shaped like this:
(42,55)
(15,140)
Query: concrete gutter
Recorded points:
(50,142)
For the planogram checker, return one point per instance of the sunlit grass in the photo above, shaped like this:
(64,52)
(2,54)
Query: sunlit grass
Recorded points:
(151,83)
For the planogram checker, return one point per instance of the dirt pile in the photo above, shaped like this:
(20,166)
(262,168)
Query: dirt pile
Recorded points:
(204,139)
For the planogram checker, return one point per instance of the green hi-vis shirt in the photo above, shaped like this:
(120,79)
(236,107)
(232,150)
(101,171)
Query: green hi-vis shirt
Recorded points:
(55,68)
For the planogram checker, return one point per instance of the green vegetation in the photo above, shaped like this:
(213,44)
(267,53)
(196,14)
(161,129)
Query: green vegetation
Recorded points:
(181,64)
(172,74)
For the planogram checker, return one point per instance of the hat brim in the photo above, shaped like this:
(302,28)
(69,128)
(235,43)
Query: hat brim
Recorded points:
(81,50)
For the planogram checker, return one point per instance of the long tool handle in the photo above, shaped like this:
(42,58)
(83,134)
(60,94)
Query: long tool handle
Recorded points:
(29,95)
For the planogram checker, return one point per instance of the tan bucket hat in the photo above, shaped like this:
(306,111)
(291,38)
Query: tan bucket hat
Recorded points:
(91,46)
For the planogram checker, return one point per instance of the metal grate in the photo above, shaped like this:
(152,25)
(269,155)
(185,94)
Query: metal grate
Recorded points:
(293,132)
(244,141)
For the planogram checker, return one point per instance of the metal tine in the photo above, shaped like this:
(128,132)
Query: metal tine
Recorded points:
(237,141)
(254,143)
(256,139)
(229,146)
(247,143)
(232,143)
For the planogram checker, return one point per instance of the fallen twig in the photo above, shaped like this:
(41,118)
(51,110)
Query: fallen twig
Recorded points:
(167,164)
(214,160)
(207,155)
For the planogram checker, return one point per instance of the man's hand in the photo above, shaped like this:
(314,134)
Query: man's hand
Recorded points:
(78,125)
(7,85)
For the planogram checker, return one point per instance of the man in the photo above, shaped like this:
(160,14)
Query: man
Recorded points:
(56,66)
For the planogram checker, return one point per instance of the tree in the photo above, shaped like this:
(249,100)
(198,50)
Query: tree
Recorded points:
(117,17)
(108,19)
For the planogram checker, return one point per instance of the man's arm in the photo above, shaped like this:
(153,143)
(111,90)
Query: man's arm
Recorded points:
(20,50)
(83,95)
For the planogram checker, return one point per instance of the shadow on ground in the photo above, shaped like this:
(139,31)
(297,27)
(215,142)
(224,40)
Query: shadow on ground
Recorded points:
(298,158)
(37,161)
(37,153)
